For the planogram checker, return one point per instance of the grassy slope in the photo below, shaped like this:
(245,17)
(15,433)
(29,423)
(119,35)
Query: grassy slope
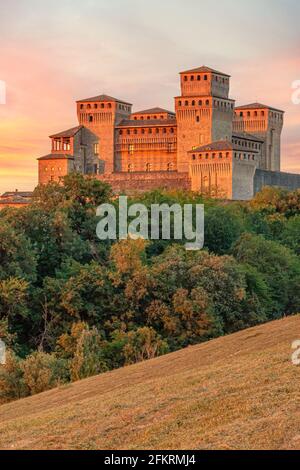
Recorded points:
(241,391)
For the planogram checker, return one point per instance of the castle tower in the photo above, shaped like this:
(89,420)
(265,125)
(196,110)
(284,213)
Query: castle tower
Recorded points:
(266,123)
(100,115)
(204,112)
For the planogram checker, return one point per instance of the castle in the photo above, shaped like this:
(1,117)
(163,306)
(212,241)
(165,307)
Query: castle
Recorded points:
(207,145)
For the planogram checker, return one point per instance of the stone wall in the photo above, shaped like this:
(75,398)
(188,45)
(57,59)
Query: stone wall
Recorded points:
(263,178)
(144,181)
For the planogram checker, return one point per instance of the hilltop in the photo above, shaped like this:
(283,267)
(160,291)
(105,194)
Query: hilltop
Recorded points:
(236,392)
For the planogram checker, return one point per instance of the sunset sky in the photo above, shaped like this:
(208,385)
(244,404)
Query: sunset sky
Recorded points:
(55,52)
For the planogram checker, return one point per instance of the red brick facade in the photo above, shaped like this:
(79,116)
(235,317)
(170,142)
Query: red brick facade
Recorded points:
(154,147)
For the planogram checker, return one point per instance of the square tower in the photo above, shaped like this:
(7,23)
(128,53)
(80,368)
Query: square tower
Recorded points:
(266,123)
(204,112)
(101,114)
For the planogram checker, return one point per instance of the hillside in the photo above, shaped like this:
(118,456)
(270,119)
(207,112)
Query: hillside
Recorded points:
(236,392)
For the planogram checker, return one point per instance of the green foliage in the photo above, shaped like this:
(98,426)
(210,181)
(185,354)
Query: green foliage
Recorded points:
(72,306)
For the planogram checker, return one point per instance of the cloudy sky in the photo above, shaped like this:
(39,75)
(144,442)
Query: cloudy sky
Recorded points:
(55,52)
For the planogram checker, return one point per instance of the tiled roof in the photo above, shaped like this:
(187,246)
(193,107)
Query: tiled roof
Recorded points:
(247,136)
(156,110)
(68,133)
(147,123)
(23,194)
(57,156)
(257,106)
(102,98)
(204,69)
(219,145)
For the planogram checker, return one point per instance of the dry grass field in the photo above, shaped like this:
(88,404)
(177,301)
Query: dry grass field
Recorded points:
(236,392)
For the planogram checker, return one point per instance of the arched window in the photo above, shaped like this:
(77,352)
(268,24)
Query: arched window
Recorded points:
(220,155)
(262,113)
(200,103)
(95,106)
(135,131)
(179,103)
(120,132)
(143,131)
(192,78)
(150,131)
(207,102)
(198,78)
(130,168)
(148,167)
(172,130)
(194,157)
(128,131)
(157,130)
(81,106)
(91,118)
(102,105)
(170,167)
(89,106)
(241,114)
(185,78)
(109,105)
(164,130)
(198,118)
(186,103)
(248,114)
(193,103)
(205,77)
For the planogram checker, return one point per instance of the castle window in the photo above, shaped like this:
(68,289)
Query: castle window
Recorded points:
(207,102)
(96,149)
(200,103)
(255,113)
(90,118)
(192,78)
(149,117)
(198,78)
(148,167)
(241,114)
(128,132)
(262,113)
(66,144)
(227,155)
(213,155)
(95,106)
(170,167)
(135,131)
(89,106)
(186,103)
(220,155)
(248,114)
(109,105)
(172,130)
(57,144)
(185,78)
(206,156)
(102,105)
(194,157)
(164,130)
(179,103)
(193,103)
(120,132)
(157,130)
(150,131)
(198,118)
(155,117)
(81,106)
(131,149)
(135,118)
(205,77)
(143,131)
